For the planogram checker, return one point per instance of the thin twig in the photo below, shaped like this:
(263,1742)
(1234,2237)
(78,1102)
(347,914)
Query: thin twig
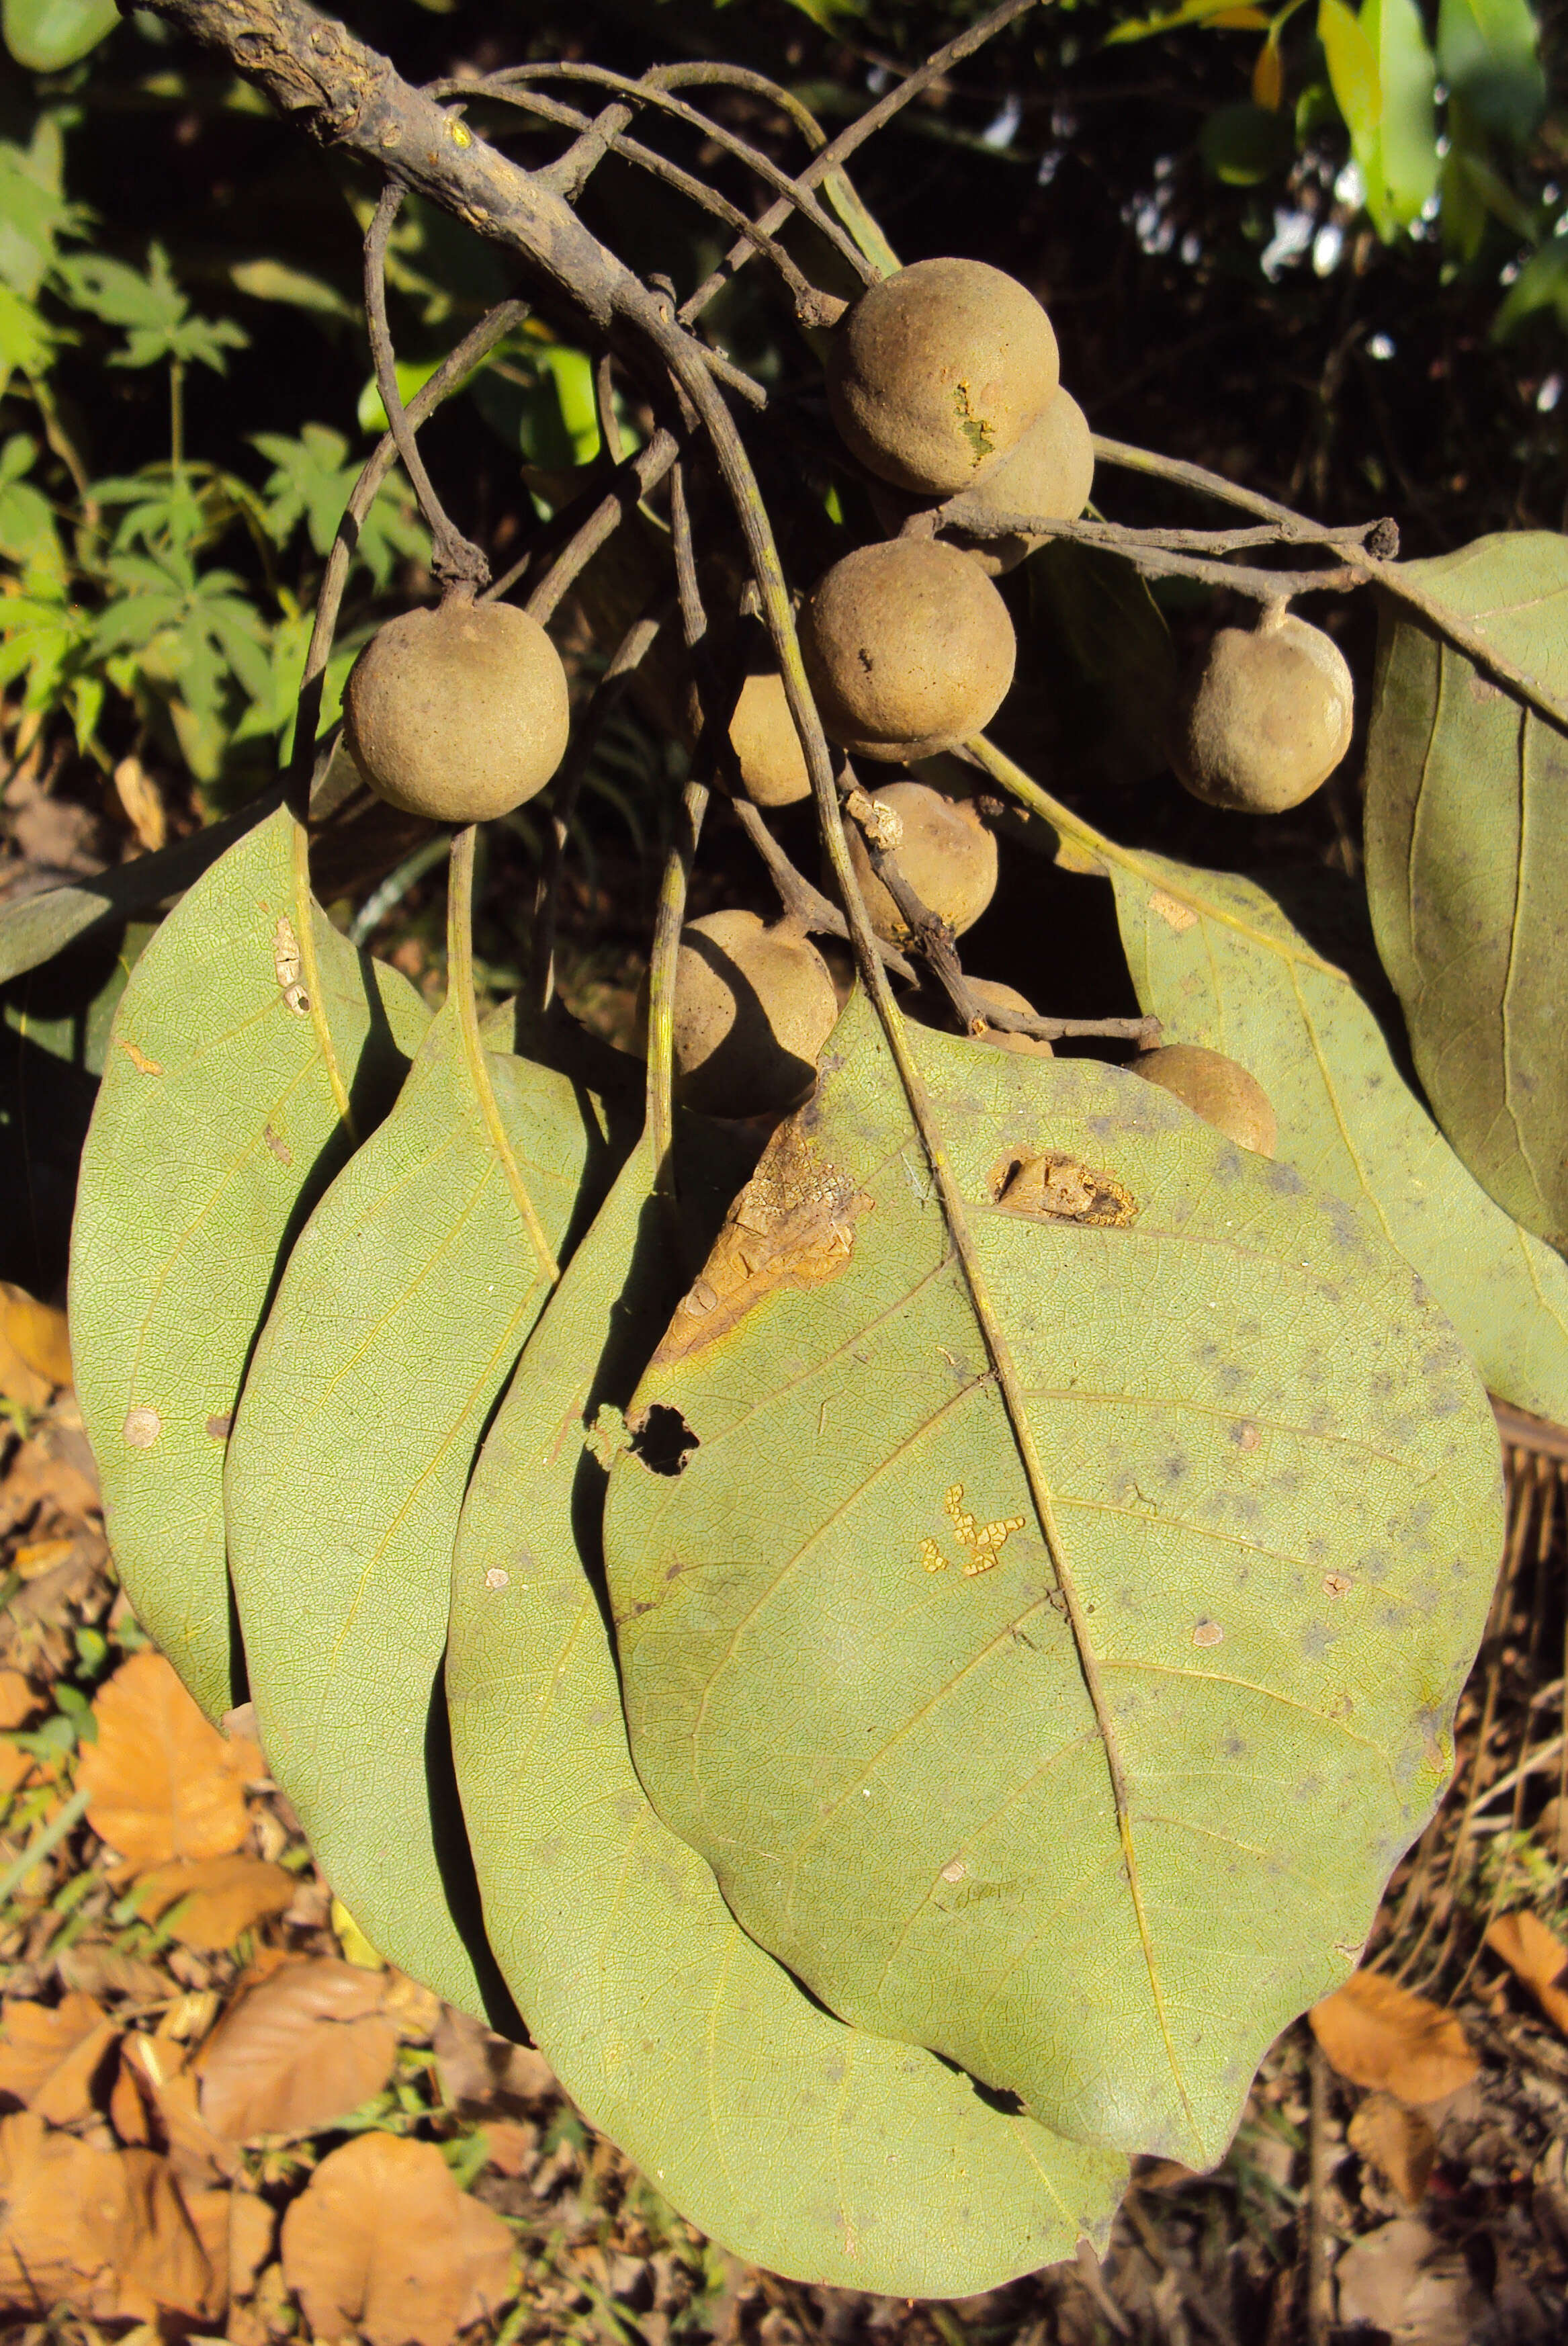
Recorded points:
(798,900)
(628,484)
(656,91)
(812,307)
(453,369)
(971,513)
(855,135)
(585,735)
(455,559)
(668,921)
(1370,570)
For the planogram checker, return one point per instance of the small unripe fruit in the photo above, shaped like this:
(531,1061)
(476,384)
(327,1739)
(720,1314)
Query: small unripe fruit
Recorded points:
(992,995)
(1266,717)
(1050,473)
(458,713)
(753,1007)
(762,732)
(938,369)
(946,854)
(908,648)
(1215,1088)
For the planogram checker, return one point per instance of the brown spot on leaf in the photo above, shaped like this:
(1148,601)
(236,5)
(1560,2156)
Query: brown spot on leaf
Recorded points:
(138,1057)
(1057,1187)
(1172,911)
(142,1428)
(792,1225)
(1208,1633)
(219,1429)
(280,1149)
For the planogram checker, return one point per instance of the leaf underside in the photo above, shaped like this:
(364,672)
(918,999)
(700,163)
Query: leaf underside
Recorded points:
(1467,866)
(405,1303)
(849,1676)
(818,2150)
(215,1131)
(1220,960)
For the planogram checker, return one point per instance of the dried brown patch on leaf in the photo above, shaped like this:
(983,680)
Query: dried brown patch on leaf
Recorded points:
(1055,1187)
(1398,2142)
(217,1900)
(162,1782)
(1383,2036)
(384,2245)
(297,2050)
(1536,1956)
(792,1225)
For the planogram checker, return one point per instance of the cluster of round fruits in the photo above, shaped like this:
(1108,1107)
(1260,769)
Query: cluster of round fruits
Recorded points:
(941,381)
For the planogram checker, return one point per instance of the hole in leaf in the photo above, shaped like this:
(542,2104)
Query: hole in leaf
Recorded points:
(663,1441)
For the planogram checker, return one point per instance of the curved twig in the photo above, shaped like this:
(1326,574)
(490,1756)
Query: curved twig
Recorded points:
(1370,569)
(657,90)
(668,920)
(606,694)
(628,484)
(453,369)
(455,559)
(798,900)
(812,307)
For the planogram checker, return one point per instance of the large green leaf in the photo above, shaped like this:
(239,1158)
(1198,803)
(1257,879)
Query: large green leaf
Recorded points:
(1223,961)
(406,1301)
(33,928)
(1467,866)
(216,1129)
(856,1674)
(800,2143)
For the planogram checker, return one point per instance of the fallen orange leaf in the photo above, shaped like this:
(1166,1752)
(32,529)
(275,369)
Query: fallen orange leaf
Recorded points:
(18,1703)
(198,2157)
(304,2046)
(165,2270)
(162,1782)
(69,2227)
(1381,2035)
(382,2242)
(1538,1957)
(217,1899)
(1398,2142)
(37,2037)
(37,1332)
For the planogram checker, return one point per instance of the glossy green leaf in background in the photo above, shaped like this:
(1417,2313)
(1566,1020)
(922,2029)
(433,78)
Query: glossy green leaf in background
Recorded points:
(1221,961)
(46,36)
(406,1301)
(1467,865)
(848,1676)
(1489,55)
(815,2149)
(215,1131)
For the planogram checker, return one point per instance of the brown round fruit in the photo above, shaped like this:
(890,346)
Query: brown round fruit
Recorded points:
(1265,717)
(992,995)
(753,1007)
(762,732)
(937,370)
(1050,473)
(458,713)
(946,854)
(1215,1088)
(908,648)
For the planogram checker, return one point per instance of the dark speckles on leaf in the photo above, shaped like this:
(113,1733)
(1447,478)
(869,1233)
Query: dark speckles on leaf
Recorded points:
(1284,1180)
